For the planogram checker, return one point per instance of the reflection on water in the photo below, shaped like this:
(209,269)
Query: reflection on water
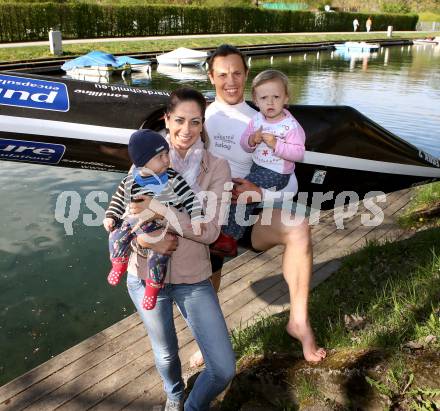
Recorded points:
(183,73)
(54,289)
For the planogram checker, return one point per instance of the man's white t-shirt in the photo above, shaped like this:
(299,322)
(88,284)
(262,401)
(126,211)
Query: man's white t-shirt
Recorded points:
(225,124)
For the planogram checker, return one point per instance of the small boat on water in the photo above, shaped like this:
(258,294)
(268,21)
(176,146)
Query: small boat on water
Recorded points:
(355,54)
(101,66)
(183,57)
(357,46)
(433,41)
(70,123)
(136,65)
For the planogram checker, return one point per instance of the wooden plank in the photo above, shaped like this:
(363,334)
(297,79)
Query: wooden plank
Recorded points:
(253,265)
(275,297)
(69,356)
(141,365)
(388,227)
(22,383)
(223,295)
(356,232)
(247,256)
(74,387)
(133,398)
(75,369)
(334,266)
(238,261)
(278,304)
(320,274)
(122,357)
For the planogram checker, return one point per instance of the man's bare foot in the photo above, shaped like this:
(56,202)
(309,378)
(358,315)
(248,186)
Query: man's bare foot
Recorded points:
(196,360)
(304,333)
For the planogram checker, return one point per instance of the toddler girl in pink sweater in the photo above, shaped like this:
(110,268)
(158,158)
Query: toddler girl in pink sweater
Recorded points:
(276,140)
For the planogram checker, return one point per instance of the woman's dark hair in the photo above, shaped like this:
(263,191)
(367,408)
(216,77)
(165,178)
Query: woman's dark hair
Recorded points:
(186,94)
(223,51)
(183,94)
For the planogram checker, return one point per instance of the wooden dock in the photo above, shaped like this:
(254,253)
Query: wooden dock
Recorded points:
(114,369)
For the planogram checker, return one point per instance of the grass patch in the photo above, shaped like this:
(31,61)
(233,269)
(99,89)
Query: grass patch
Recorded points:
(384,296)
(399,387)
(306,389)
(267,335)
(122,46)
(425,197)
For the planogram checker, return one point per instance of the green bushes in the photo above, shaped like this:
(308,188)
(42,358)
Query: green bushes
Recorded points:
(344,21)
(32,21)
(396,6)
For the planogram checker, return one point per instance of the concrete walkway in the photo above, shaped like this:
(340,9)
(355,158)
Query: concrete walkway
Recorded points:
(191,36)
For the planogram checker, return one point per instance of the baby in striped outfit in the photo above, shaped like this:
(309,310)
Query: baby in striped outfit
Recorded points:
(153,177)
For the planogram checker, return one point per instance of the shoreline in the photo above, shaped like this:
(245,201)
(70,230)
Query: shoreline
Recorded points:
(191,36)
(29,52)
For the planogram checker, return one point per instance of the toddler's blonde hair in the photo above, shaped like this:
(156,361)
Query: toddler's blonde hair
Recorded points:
(270,75)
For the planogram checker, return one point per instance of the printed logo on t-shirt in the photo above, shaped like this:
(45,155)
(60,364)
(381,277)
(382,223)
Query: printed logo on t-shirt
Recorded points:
(224,142)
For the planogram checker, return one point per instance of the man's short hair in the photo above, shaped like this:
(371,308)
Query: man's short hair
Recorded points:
(223,51)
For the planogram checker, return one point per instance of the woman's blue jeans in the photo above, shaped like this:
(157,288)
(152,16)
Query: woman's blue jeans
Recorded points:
(199,306)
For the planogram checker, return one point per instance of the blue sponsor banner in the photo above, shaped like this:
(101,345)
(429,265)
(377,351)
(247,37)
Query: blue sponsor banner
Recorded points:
(33,93)
(31,151)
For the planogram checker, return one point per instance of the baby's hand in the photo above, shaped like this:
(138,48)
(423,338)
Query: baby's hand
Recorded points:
(256,137)
(270,140)
(109,224)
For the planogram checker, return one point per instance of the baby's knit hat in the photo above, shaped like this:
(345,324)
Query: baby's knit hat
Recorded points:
(144,145)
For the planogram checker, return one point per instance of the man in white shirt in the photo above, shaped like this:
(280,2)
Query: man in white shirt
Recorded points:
(226,120)
(355,24)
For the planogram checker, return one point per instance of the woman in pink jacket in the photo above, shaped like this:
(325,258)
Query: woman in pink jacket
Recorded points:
(187,283)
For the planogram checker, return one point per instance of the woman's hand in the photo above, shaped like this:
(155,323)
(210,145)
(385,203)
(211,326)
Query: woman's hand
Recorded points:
(245,186)
(159,241)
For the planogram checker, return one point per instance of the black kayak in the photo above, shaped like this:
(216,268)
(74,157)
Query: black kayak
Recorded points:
(70,123)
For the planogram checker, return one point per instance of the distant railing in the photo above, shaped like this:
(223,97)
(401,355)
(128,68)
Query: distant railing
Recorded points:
(428,26)
(285,6)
